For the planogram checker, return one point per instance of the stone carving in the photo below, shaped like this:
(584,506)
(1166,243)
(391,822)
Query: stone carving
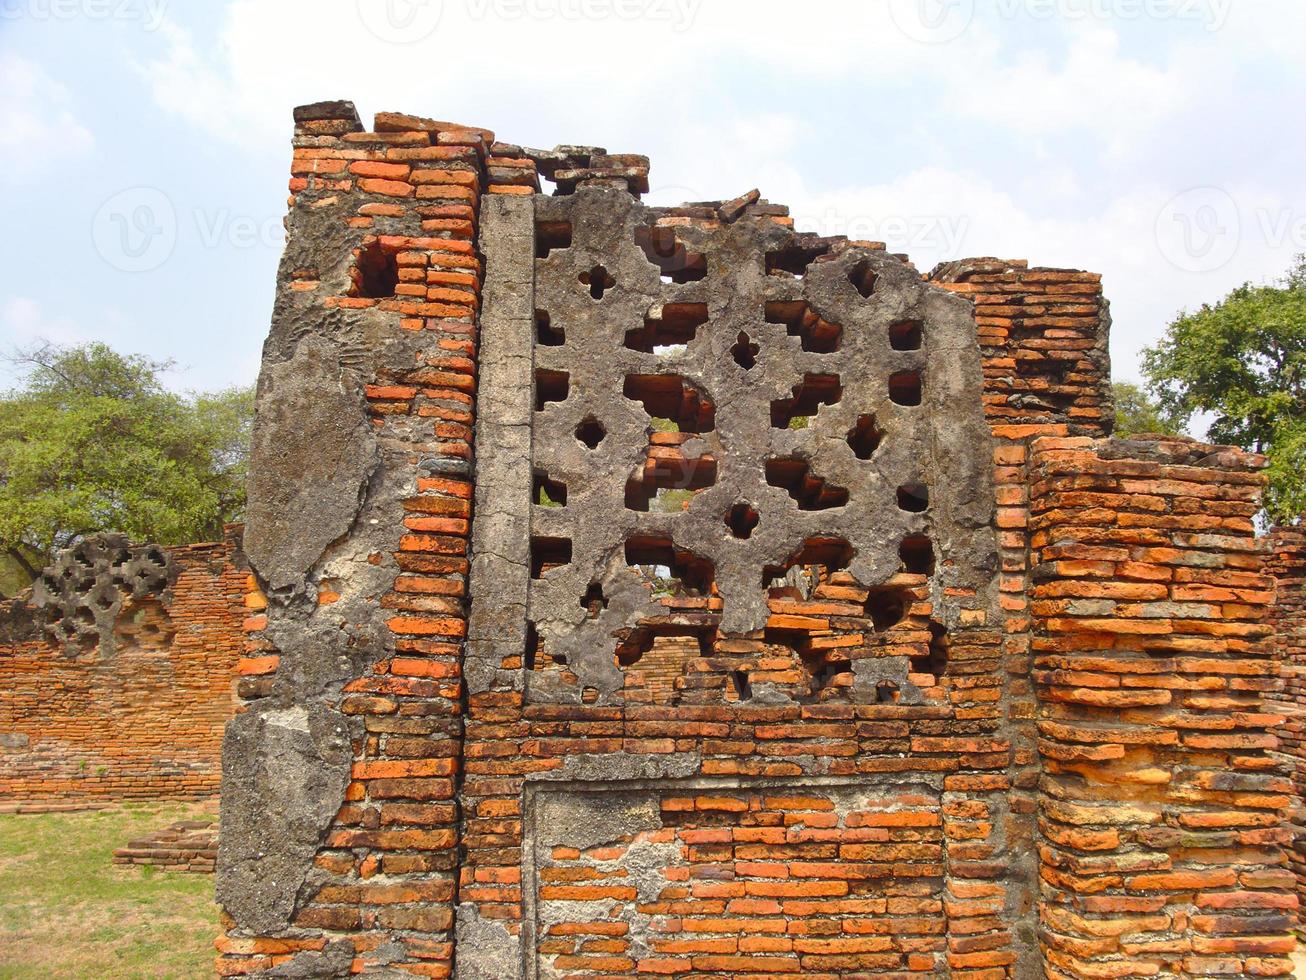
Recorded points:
(805,403)
(84,589)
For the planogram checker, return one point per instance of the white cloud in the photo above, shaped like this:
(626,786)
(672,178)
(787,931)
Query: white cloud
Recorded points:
(1084,89)
(24,322)
(1088,125)
(36,125)
(936,215)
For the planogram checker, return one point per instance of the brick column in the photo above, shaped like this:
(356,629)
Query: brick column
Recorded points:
(1161,802)
(339,838)
(1286,562)
(1043,336)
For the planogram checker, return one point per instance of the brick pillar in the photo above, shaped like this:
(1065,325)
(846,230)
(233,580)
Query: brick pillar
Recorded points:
(1043,336)
(1161,802)
(339,837)
(1286,562)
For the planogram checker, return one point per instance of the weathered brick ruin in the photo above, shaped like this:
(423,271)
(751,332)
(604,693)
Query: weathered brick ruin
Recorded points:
(116,673)
(187,845)
(660,592)
(1286,562)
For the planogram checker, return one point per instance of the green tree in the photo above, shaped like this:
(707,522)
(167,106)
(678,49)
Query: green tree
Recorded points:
(1243,362)
(92,441)
(1137,413)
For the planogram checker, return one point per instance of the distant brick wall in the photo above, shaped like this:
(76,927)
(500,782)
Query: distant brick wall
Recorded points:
(143,721)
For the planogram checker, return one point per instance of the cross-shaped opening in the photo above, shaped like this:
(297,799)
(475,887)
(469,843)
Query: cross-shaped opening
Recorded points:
(862,276)
(594,601)
(906,335)
(742,520)
(917,555)
(546,334)
(905,388)
(745,352)
(599,281)
(865,437)
(591,432)
(913,497)
(808,396)
(550,386)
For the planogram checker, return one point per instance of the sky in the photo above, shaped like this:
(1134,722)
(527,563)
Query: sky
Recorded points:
(1158,142)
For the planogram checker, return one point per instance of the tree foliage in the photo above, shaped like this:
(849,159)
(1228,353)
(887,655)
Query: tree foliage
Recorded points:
(1138,413)
(1243,362)
(92,441)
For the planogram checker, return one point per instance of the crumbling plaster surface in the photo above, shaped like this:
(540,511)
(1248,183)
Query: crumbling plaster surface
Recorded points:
(325,512)
(500,572)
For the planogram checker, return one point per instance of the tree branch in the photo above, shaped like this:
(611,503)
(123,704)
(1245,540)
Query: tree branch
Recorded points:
(32,572)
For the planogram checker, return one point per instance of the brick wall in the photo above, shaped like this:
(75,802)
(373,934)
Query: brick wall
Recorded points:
(188,845)
(140,718)
(686,830)
(407,196)
(1162,803)
(1043,337)
(1286,562)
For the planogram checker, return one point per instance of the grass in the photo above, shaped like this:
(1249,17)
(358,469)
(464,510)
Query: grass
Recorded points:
(66,911)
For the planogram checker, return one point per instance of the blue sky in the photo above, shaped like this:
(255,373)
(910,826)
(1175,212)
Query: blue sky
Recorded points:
(1156,141)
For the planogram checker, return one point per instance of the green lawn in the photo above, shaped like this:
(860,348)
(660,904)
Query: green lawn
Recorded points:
(66,911)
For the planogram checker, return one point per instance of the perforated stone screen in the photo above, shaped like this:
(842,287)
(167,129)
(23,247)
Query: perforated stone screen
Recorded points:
(721,414)
(82,592)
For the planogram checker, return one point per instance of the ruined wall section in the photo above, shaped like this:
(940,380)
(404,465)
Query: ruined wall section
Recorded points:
(117,673)
(649,770)
(338,841)
(1162,802)
(1043,341)
(1285,561)
(714,762)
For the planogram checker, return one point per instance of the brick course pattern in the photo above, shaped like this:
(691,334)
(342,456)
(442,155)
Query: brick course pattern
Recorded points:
(440,821)
(1161,810)
(1286,562)
(140,717)
(188,845)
